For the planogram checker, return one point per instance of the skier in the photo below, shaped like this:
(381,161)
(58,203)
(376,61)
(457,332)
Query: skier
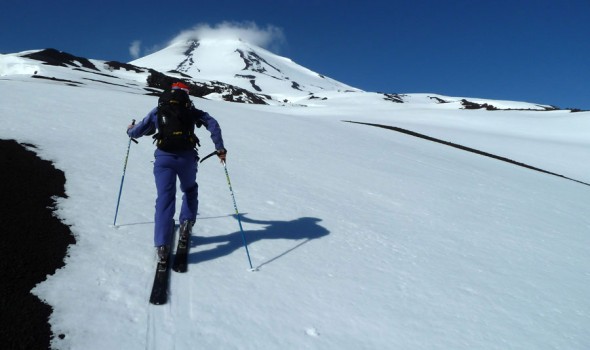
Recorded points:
(174,119)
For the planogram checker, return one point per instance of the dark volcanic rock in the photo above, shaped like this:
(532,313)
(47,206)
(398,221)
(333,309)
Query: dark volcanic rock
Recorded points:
(54,57)
(34,244)
(254,62)
(69,82)
(228,92)
(114,65)
(397,98)
(473,105)
(254,86)
(438,99)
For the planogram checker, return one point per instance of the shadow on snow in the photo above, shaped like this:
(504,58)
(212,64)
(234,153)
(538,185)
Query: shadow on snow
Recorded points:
(306,229)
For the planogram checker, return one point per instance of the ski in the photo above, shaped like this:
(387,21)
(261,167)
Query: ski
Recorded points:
(159,294)
(180,263)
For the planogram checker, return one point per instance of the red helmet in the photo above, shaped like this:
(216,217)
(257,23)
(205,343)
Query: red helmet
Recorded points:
(181,86)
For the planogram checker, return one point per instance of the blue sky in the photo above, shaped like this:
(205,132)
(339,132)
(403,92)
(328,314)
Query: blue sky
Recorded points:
(523,50)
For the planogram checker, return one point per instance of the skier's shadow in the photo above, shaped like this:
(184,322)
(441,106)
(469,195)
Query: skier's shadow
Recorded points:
(306,229)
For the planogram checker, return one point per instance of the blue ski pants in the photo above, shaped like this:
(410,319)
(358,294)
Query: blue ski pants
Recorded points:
(167,167)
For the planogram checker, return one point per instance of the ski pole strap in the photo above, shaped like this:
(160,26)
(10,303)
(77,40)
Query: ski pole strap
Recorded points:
(208,156)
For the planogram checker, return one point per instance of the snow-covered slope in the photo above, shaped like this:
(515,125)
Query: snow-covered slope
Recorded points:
(365,238)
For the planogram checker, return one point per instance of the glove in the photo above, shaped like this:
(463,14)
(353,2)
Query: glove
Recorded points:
(221,153)
(130,126)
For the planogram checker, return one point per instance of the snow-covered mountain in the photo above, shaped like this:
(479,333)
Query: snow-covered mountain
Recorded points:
(241,64)
(230,70)
(364,238)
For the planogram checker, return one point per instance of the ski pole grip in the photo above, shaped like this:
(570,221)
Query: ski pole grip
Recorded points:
(132,139)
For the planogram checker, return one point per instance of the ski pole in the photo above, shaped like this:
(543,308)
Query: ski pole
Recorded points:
(238,215)
(123,177)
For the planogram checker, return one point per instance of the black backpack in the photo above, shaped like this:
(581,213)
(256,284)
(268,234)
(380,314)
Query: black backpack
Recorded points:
(176,126)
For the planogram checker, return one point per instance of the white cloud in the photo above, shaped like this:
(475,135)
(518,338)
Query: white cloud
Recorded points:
(135,49)
(270,37)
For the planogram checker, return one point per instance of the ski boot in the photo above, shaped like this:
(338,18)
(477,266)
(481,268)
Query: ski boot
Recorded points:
(185,233)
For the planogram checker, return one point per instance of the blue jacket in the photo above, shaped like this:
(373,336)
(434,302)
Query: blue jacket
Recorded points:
(149,124)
